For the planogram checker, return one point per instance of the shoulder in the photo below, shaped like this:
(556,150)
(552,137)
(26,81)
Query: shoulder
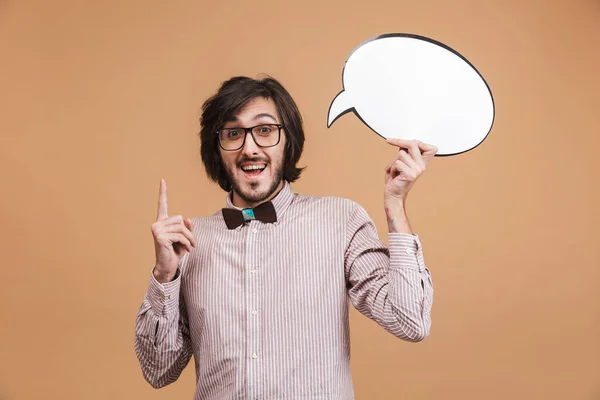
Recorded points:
(210,221)
(330,204)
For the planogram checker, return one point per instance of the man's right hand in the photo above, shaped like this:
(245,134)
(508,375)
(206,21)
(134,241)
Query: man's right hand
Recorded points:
(172,238)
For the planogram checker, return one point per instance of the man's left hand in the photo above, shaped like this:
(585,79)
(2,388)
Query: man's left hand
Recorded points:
(405,169)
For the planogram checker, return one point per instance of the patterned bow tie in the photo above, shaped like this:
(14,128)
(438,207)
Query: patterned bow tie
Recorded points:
(265,212)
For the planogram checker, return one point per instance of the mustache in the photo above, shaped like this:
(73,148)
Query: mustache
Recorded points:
(253,159)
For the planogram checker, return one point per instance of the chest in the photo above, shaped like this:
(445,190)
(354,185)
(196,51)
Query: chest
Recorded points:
(274,267)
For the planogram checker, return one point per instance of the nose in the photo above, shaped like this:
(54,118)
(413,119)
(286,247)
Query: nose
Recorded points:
(250,146)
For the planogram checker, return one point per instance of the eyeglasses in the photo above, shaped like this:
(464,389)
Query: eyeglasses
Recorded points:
(266,135)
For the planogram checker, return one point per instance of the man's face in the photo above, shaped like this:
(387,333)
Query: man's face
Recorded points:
(255,172)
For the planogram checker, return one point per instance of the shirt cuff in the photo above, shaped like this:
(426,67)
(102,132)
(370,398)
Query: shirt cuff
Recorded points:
(164,297)
(406,251)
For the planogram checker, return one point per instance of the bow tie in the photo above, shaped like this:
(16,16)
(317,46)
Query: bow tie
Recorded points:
(264,212)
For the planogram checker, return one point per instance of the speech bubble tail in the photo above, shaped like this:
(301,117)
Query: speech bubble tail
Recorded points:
(339,106)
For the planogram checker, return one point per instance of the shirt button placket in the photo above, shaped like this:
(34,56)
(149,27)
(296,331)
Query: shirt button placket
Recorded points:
(253,339)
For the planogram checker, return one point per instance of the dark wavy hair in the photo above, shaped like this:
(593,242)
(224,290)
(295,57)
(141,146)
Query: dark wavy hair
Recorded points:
(231,97)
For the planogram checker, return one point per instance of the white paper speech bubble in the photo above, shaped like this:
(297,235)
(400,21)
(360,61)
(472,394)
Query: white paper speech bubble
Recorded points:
(412,87)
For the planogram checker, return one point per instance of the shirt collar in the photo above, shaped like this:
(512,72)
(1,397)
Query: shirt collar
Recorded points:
(281,201)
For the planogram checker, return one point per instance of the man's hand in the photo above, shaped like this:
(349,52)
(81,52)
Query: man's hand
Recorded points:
(400,176)
(405,169)
(172,237)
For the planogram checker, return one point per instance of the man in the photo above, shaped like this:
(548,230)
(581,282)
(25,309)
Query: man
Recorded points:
(258,292)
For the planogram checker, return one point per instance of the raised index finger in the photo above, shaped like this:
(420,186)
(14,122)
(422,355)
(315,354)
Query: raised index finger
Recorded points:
(162,200)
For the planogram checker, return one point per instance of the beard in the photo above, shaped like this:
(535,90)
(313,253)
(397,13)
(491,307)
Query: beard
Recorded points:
(251,196)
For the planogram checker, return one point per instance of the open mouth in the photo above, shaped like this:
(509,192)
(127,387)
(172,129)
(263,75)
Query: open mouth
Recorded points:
(253,170)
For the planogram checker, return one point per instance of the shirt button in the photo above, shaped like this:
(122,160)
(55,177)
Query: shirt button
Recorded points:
(254,230)
(254,355)
(254,312)
(252,271)
(410,251)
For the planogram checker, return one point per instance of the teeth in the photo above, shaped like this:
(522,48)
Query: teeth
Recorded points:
(253,167)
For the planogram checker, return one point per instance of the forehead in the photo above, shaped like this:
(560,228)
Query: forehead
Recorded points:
(258,110)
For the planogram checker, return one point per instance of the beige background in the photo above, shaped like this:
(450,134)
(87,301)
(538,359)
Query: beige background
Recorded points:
(98,100)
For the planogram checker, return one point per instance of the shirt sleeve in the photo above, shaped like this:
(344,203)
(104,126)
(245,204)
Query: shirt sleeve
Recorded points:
(390,285)
(162,336)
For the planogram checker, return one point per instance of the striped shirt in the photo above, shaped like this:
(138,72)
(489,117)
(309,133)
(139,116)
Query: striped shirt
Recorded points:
(263,308)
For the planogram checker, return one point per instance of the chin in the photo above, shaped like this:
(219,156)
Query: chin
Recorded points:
(256,192)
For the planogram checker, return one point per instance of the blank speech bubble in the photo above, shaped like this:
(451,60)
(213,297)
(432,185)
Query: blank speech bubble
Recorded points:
(411,87)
